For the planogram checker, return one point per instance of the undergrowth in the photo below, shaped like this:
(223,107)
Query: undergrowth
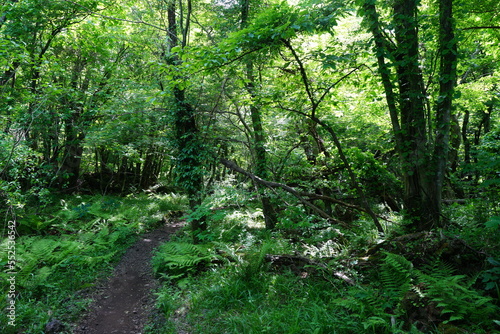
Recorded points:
(64,249)
(312,277)
(323,284)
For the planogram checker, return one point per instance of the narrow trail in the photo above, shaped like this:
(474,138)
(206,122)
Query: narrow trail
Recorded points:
(125,302)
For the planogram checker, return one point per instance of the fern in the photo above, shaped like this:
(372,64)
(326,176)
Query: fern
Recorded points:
(33,253)
(453,295)
(175,260)
(367,308)
(456,298)
(39,258)
(171,202)
(255,262)
(65,250)
(38,278)
(93,261)
(404,287)
(396,277)
(438,269)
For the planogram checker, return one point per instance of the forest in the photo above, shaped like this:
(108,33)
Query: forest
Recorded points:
(334,165)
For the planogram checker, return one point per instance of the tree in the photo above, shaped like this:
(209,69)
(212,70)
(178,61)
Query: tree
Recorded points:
(423,155)
(284,90)
(40,97)
(259,136)
(190,156)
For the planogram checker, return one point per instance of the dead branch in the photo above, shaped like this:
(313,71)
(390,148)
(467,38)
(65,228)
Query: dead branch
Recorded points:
(270,184)
(339,202)
(299,263)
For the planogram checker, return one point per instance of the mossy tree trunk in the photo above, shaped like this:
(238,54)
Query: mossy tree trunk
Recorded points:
(189,165)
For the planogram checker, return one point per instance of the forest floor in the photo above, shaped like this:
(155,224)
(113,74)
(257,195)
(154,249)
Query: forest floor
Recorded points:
(124,302)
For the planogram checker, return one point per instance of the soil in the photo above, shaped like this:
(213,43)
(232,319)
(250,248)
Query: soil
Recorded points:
(125,302)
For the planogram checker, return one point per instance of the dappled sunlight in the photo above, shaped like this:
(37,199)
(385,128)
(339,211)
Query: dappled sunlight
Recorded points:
(326,166)
(251,218)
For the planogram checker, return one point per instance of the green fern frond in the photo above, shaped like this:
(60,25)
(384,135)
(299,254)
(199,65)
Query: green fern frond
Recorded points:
(396,274)
(36,260)
(65,250)
(38,278)
(177,259)
(455,296)
(374,322)
(399,263)
(42,248)
(438,268)
(92,261)
(32,254)
(256,261)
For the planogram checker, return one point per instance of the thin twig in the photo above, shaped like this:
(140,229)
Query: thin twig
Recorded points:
(91,12)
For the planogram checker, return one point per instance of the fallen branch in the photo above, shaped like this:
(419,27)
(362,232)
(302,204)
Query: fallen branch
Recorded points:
(339,202)
(333,200)
(299,263)
(300,195)
(270,184)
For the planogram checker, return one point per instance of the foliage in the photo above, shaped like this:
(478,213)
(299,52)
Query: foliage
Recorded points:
(455,298)
(176,260)
(491,276)
(223,223)
(95,99)
(389,295)
(379,183)
(21,182)
(434,293)
(488,163)
(64,250)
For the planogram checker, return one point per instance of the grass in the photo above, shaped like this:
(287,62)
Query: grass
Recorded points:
(245,294)
(64,249)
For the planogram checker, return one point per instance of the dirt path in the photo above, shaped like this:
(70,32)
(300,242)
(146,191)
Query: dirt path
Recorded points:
(125,301)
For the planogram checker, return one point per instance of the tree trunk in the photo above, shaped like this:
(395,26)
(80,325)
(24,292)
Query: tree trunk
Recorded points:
(259,142)
(419,197)
(72,156)
(465,138)
(189,165)
(447,82)
(423,170)
(259,137)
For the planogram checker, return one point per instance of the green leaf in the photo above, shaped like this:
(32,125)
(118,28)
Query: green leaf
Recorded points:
(176,49)
(494,222)
(455,317)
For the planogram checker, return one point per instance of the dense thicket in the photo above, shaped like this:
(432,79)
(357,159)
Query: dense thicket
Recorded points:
(366,116)
(367,103)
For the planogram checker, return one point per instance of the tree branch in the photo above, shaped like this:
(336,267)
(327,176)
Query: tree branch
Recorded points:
(481,27)
(339,202)
(350,172)
(303,75)
(270,184)
(91,12)
(329,88)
